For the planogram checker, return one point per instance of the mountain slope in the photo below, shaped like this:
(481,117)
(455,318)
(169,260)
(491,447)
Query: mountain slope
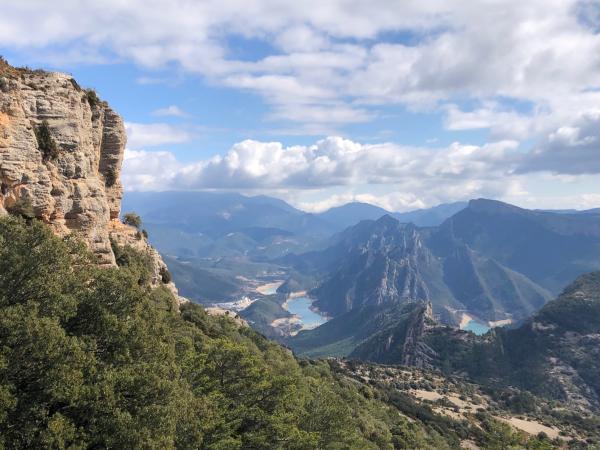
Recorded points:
(386,262)
(219,213)
(491,261)
(61,150)
(93,358)
(550,249)
(340,336)
(107,357)
(70,178)
(555,354)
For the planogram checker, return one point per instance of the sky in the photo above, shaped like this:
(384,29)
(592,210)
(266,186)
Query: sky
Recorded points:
(403,104)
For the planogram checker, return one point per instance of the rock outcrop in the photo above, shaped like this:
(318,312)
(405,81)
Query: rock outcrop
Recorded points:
(61,150)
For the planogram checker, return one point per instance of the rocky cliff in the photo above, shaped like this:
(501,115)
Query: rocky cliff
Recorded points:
(61,150)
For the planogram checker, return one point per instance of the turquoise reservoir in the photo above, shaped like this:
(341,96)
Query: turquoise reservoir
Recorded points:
(300,306)
(476,327)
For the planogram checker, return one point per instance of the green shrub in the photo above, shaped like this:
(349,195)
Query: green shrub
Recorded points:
(46,143)
(165,275)
(134,261)
(132,219)
(75,84)
(91,359)
(92,98)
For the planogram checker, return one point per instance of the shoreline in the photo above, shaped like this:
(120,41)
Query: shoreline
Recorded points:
(464,321)
(268,288)
(499,323)
(312,308)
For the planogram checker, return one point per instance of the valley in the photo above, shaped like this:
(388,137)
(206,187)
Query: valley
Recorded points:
(299,225)
(252,263)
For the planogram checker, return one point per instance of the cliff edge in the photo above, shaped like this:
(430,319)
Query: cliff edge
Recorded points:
(61,151)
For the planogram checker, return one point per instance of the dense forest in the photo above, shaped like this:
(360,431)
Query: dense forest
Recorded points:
(95,358)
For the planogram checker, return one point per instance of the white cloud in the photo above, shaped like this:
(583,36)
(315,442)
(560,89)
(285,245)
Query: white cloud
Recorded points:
(149,171)
(341,55)
(393,202)
(526,71)
(143,135)
(335,171)
(333,162)
(572,149)
(170,111)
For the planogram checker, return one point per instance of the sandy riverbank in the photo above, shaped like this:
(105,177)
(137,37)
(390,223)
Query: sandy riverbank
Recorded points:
(499,323)
(288,325)
(464,321)
(269,288)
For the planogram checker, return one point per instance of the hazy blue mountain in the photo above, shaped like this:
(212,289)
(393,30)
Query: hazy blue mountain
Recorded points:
(200,284)
(431,217)
(218,213)
(341,336)
(214,242)
(215,224)
(351,213)
(386,262)
(571,211)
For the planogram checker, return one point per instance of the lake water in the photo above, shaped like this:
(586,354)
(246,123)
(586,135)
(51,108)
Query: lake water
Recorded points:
(300,306)
(476,327)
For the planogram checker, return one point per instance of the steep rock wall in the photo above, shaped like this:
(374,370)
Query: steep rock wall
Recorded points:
(75,188)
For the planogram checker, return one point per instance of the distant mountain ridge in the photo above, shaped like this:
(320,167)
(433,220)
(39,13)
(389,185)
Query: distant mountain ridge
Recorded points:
(431,217)
(192,228)
(478,257)
(218,213)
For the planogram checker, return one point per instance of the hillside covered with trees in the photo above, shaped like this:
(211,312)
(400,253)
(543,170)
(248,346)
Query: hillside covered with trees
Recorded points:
(96,358)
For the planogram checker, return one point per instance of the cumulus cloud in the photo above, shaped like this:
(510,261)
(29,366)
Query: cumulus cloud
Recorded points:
(526,71)
(573,149)
(334,171)
(393,202)
(413,173)
(149,171)
(143,135)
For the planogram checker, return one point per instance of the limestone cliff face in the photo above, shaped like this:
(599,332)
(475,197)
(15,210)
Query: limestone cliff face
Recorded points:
(77,188)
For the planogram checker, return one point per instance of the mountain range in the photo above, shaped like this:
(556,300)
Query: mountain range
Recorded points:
(99,351)
(211,239)
(490,261)
(225,224)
